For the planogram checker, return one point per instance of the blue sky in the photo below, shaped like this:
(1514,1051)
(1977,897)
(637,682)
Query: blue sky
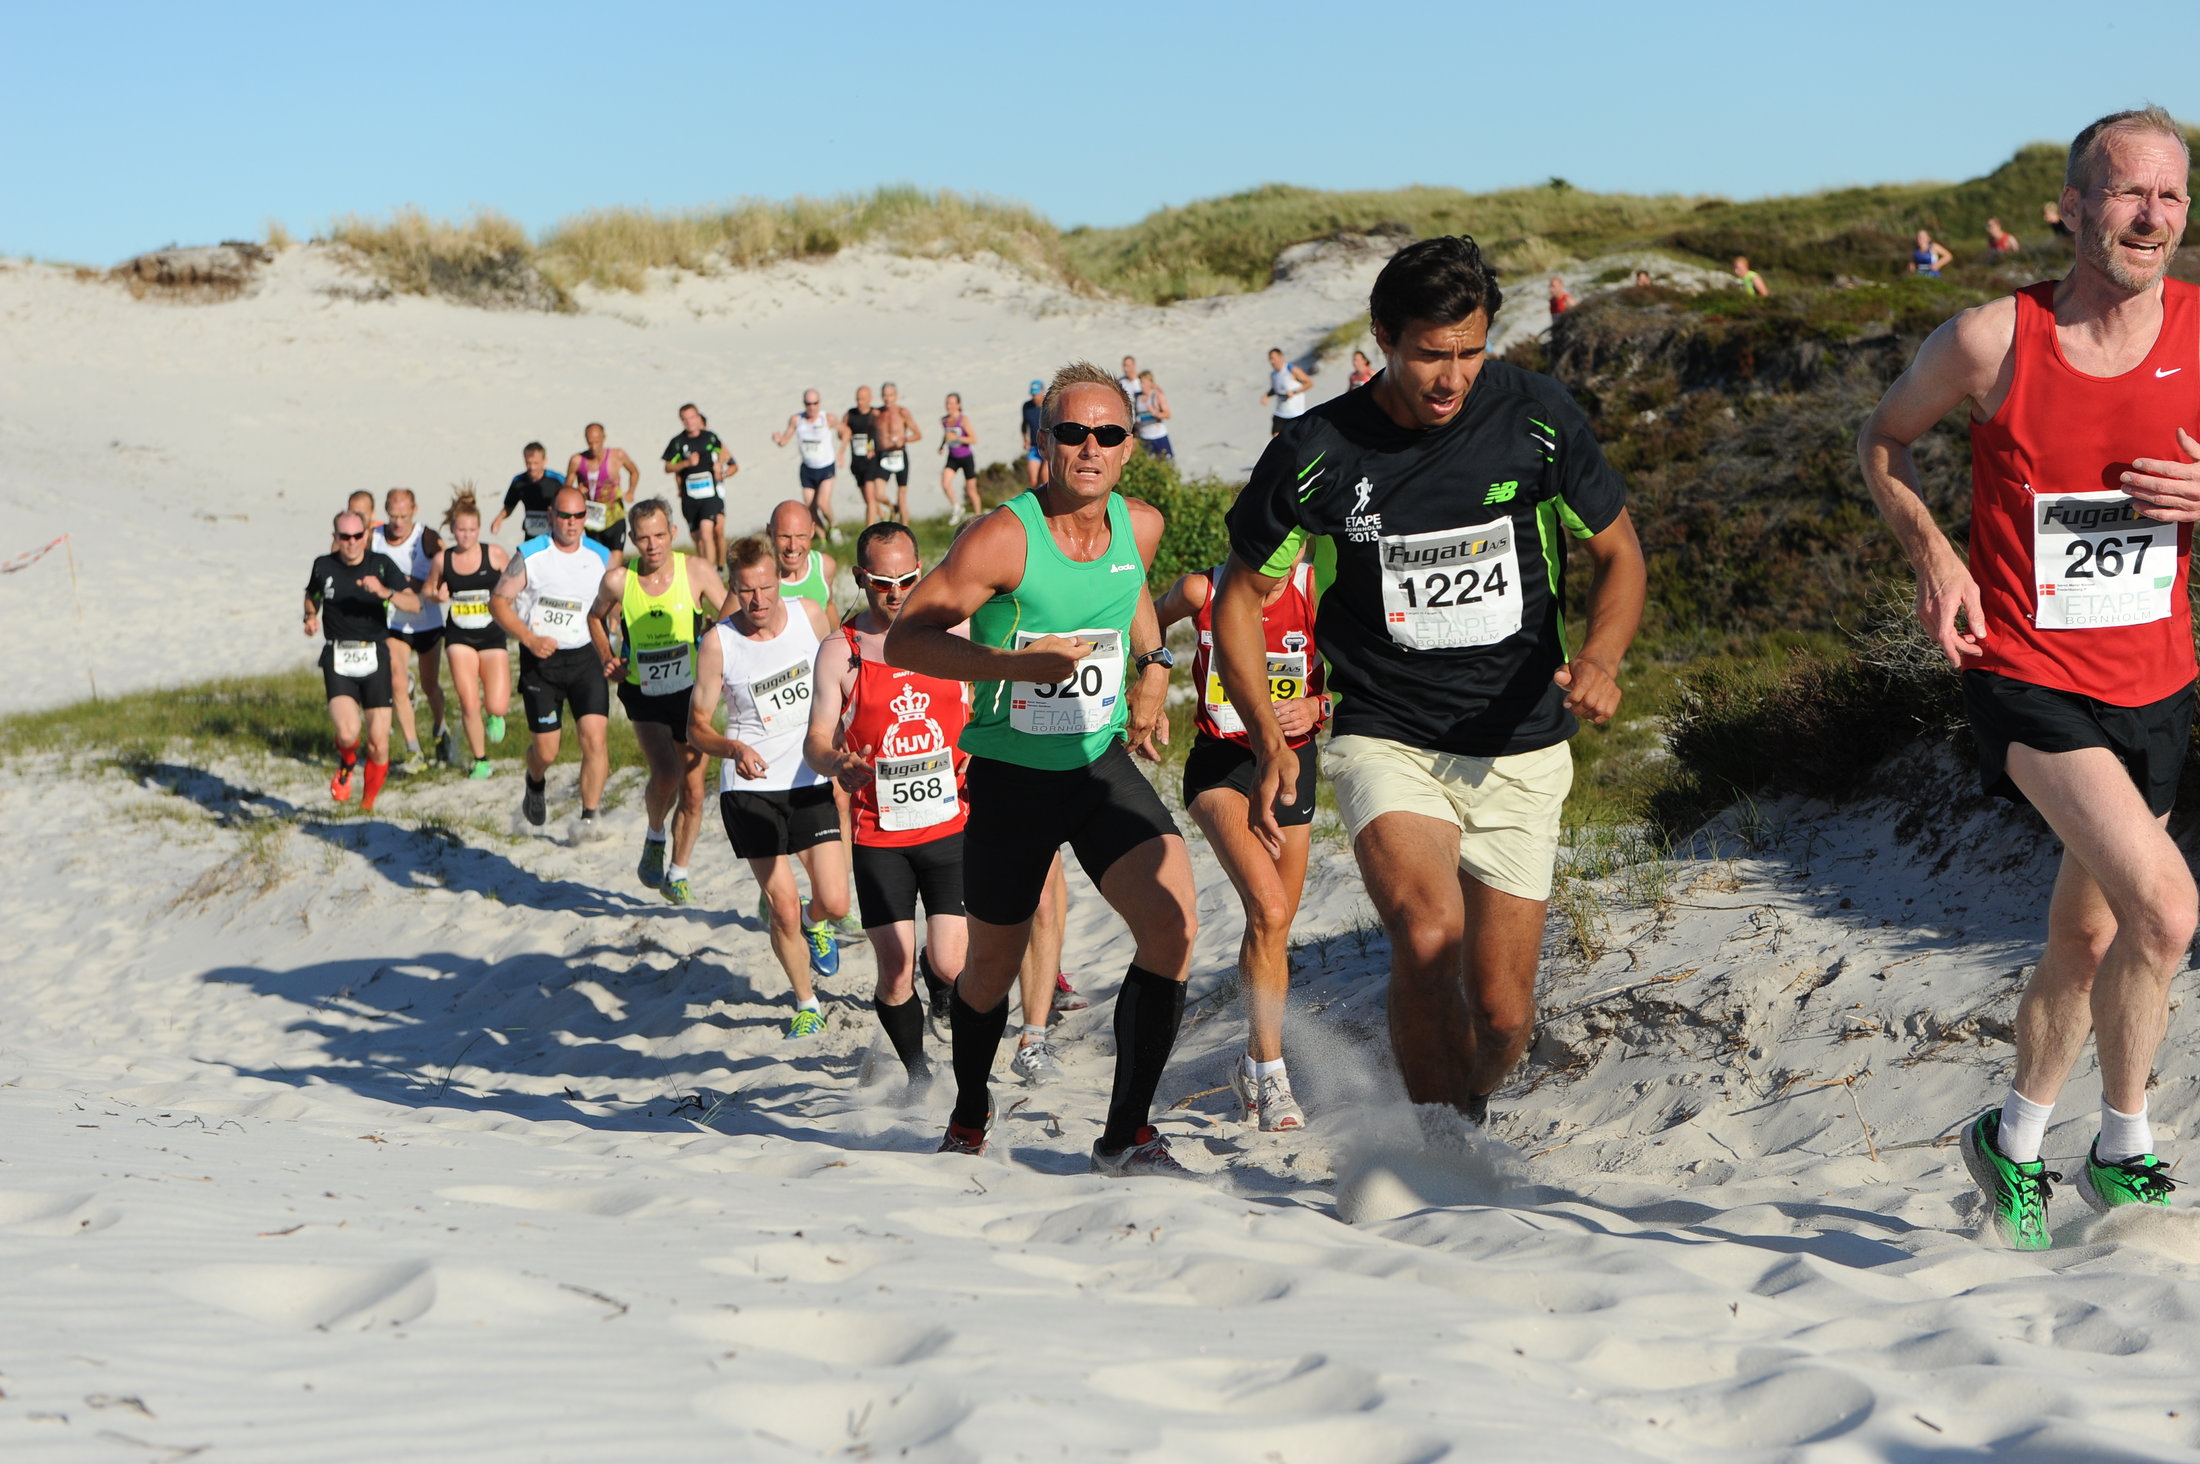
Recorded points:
(131,126)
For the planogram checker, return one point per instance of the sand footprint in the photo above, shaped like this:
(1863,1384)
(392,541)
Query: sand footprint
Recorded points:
(846,1338)
(353,1297)
(852,1418)
(1306,1384)
(33,1212)
(571,1201)
(799,1260)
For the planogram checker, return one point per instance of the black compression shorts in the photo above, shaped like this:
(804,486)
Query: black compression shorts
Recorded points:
(667,710)
(571,678)
(2150,741)
(698,510)
(781,821)
(1020,816)
(1217,762)
(423,641)
(890,878)
(372,691)
(611,536)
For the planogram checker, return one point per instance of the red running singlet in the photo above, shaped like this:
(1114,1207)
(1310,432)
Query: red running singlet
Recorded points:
(1294,670)
(911,722)
(2080,593)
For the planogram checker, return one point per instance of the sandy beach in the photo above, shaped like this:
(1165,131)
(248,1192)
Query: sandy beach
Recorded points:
(327,1136)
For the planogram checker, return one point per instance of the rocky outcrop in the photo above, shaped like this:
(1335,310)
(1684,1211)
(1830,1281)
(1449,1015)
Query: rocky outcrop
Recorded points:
(205,271)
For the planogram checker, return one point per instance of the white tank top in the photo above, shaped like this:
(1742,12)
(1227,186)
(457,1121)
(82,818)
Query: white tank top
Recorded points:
(768,689)
(815,439)
(410,555)
(1154,430)
(1288,403)
(560,588)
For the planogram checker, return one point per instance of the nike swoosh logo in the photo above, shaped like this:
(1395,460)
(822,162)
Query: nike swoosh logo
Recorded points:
(2159,372)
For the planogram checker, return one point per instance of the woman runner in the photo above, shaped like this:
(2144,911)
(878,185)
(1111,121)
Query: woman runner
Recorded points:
(464,575)
(957,437)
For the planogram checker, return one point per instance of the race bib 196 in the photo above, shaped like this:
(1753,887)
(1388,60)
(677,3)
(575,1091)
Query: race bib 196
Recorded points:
(701,485)
(1286,682)
(356,659)
(554,617)
(665,671)
(1085,702)
(2097,563)
(1451,588)
(915,792)
(470,610)
(783,699)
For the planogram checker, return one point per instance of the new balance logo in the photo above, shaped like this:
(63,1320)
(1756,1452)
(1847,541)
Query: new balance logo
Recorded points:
(1501,492)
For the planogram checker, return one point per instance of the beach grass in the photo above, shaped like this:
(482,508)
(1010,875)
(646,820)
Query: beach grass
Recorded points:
(488,260)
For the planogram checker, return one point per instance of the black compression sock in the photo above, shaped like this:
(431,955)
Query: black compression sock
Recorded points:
(1148,1011)
(536,784)
(904,1026)
(935,990)
(977,1039)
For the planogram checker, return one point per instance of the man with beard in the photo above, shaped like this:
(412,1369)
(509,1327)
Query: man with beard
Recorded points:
(2073,631)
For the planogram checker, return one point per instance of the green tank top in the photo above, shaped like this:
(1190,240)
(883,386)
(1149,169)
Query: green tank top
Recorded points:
(812,585)
(660,632)
(1067,724)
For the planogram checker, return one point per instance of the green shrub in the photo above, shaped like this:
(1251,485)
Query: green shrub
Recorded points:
(1195,509)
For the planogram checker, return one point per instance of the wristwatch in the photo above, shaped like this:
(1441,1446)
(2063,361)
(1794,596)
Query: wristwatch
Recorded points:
(1160,657)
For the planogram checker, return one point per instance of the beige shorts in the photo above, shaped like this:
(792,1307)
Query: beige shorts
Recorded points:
(1505,808)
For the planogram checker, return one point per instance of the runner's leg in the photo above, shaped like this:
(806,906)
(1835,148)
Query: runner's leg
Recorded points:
(667,771)
(431,683)
(827,866)
(2092,805)
(1409,865)
(378,735)
(1269,890)
(776,876)
(344,716)
(595,731)
(1151,888)
(401,688)
(468,682)
(1043,952)
(496,682)
(687,821)
(542,750)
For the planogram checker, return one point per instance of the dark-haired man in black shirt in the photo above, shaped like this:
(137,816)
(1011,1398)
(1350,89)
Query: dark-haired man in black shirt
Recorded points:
(348,596)
(1440,499)
(700,464)
(530,492)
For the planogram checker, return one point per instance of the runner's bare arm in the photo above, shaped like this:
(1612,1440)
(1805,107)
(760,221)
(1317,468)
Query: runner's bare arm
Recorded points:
(1182,600)
(625,464)
(830,566)
(710,680)
(313,614)
(1618,585)
(821,744)
(1147,730)
(1241,659)
(609,596)
(504,609)
(2170,490)
(1969,358)
(820,620)
(399,593)
(779,439)
(909,421)
(710,592)
(986,560)
(433,589)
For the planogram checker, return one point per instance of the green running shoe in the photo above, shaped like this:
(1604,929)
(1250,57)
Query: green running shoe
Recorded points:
(651,871)
(676,891)
(496,730)
(2016,1194)
(806,1023)
(2141,1181)
(481,769)
(824,949)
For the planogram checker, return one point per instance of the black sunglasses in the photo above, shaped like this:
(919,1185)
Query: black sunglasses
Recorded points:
(1070,434)
(347,538)
(561,513)
(892,581)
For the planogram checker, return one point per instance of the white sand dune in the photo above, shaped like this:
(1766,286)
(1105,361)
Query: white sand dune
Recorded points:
(331,1137)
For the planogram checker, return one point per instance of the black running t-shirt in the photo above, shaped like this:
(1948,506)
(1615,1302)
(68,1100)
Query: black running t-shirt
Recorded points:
(349,613)
(1440,556)
(703,446)
(534,495)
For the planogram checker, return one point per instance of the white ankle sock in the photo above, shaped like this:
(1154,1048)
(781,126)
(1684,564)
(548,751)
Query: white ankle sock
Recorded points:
(1259,1069)
(653,836)
(1031,1034)
(676,871)
(2124,1135)
(2023,1126)
(807,1006)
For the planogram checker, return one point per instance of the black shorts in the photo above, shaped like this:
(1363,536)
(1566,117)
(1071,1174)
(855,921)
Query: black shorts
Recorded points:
(371,692)
(1158,447)
(611,536)
(899,475)
(1277,424)
(701,510)
(967,466)
(815,477)
(864,469)
(765,825)
(1217,762)
(1020,816)
(2150,741)
(669,709)
(490,638)
(570,678)
(890,879)
(423,641)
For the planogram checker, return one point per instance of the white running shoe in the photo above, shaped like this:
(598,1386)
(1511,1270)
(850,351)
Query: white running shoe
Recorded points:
(1267,1100)
(1035,1063)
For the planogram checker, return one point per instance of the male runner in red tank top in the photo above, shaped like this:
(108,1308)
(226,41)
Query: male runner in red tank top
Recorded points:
(888,737)
(2075,631)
